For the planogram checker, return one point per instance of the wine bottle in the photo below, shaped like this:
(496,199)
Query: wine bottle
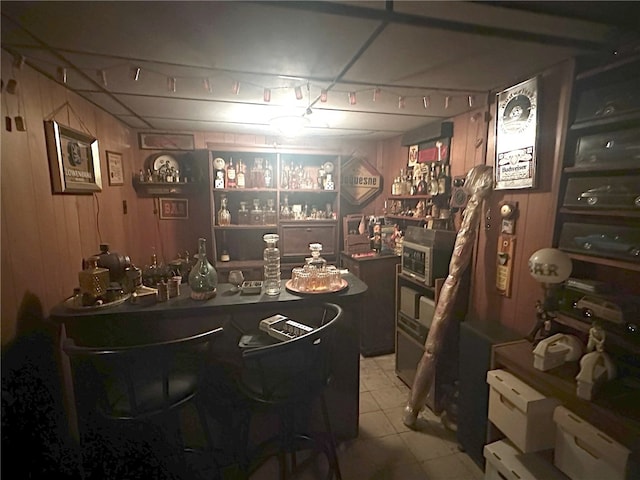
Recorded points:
(231,174)
(240,176)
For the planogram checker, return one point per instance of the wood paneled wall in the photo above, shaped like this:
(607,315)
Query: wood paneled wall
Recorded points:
(536,212)
(46,236)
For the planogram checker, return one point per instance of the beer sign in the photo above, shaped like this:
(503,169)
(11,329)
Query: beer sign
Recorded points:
(359,181)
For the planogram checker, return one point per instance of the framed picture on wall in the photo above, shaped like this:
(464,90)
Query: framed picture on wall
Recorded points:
(74,161)
(114,168)
(516,136)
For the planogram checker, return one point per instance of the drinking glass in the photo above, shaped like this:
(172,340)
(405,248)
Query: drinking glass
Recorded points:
(236,278)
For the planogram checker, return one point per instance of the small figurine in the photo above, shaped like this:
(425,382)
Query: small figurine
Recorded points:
(543,326)
(597,336)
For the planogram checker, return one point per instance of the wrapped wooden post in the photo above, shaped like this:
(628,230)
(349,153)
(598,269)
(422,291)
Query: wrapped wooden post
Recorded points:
(478,184)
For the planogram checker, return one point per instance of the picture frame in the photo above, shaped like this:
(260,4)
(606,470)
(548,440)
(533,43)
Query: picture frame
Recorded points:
(174,208)
(413,156)
(166,141)
(115,168)
(515,164)
(74,159)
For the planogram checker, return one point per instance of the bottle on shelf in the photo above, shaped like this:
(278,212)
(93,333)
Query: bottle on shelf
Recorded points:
(422,188)
(271,280)
(241,180)
(444,181)
(231,174)
(257,173)
(286,173)
(224,216)
(243,214)
(408,184)
(203,278)
(433,180)
(268,175)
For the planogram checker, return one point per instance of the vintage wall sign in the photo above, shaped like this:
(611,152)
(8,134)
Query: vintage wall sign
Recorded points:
(516,134)
(359,181)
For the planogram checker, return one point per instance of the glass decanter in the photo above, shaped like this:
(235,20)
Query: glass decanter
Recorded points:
(203,278)
(224,216)
(271,281)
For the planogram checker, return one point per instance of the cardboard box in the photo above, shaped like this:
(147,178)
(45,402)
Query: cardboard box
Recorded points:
(426,309)
(409,300)
(505,461)
(522,413)
(585,453)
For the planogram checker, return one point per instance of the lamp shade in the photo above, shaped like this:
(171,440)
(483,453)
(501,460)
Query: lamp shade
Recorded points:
(550,265)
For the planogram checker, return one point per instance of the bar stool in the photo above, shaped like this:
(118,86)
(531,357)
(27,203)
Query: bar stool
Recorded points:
(287,378)
(128,401)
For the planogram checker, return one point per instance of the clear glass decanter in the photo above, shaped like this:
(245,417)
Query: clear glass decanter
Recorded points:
(271,280)
(203,278)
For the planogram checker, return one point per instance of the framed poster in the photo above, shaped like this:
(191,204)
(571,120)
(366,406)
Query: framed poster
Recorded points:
(174,208)
(166,141)
(74,161)
(114,168)
(516,136)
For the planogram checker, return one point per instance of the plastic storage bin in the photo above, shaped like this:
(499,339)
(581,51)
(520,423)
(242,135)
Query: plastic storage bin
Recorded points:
(585,453)
(523,414)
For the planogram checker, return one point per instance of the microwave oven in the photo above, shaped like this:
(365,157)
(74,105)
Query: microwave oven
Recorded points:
(426,254)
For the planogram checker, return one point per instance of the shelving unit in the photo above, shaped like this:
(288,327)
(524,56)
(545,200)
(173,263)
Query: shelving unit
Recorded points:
(192,179)
(411,334)
(598,215)
(243,242)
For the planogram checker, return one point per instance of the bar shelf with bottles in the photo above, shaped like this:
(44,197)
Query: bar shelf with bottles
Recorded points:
(271,192)
(421,195)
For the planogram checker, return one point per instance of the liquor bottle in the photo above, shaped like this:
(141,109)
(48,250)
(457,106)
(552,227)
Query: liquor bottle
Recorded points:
(231,174)
(224,216)
(268,175)
(224,252)
(241,177)
(203,278)
(446,180)
(433,183)
(443,180)
(286,173)
(423,188)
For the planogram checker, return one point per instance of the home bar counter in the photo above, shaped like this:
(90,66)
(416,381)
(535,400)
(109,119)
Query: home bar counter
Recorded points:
(129,324)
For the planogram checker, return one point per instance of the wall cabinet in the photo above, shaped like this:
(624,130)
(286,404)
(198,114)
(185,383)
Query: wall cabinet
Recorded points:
(377,328)
(598,216)
(293,194)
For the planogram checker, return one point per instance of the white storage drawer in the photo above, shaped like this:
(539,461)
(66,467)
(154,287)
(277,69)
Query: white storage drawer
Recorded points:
(522,413)
(506,462)
(585,453)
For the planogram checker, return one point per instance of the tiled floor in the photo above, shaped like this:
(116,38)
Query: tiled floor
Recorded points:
(385,448)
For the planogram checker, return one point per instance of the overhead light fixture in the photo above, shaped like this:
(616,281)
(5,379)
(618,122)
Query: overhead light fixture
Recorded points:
(298,91)
(352,98)
(171,83)
(289,125)
(376,94)
(323,95)
(400,102)
(447,101)
(207,85)
(235,88)
(136,74)
(426,101)
(62,74)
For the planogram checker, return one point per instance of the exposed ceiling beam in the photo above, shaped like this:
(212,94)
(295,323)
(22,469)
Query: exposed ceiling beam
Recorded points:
(389,16)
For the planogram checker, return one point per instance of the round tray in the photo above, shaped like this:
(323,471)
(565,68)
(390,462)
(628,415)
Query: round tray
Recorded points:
(343,285)
(69,304)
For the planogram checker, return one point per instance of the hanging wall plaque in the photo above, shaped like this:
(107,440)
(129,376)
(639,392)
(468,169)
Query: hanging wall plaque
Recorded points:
(516,134)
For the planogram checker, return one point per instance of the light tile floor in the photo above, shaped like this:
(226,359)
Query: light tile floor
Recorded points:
(385,448)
